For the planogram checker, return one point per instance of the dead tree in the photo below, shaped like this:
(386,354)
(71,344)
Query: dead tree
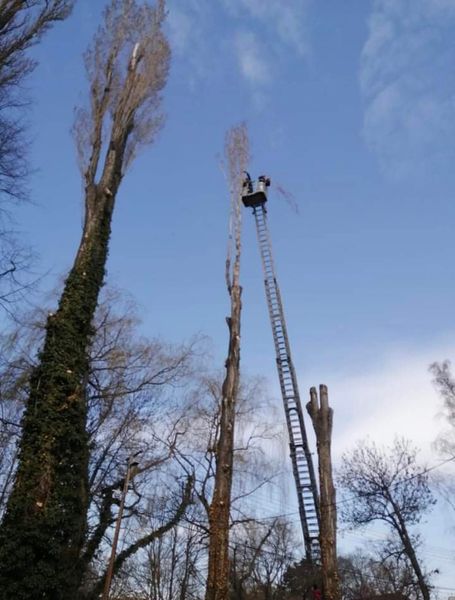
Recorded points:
(237,154)
(322,418)
(44,527)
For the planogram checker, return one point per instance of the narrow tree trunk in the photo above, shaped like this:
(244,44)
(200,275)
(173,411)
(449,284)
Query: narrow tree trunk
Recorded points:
(237,581)
(217,587)
(322,418)
(174,559)
(218,569)
(409,550)
(187,570)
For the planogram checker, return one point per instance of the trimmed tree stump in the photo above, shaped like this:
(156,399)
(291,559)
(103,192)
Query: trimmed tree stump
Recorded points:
(322,418)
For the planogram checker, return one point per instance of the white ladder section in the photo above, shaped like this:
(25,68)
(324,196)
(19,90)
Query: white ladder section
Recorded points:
(302,464)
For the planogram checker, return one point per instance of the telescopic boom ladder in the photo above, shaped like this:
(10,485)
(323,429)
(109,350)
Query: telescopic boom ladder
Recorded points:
(302,463)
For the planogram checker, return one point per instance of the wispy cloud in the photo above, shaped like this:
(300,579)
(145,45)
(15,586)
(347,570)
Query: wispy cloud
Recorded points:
(250,55)
(255,35)
(286,20)
(180,28)
(408,83)
(189,27)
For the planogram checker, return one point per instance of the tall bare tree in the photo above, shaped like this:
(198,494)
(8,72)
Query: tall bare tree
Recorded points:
(237,156)
(44,526)
(22,24)
(388,486)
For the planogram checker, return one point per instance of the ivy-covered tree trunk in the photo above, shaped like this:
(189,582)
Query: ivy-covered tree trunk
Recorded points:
(44,527)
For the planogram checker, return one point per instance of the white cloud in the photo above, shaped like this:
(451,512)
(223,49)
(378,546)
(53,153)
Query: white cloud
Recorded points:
(395,397)
(408,83)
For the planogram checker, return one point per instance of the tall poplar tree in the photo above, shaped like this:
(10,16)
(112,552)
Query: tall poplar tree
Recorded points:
(237,157)
(45,522)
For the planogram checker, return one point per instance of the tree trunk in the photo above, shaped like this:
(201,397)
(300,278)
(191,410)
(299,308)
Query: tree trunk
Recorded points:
(217,587)
(189,564)
(44,526)
(409,549)
(322,418)
(45,521)
(218,568)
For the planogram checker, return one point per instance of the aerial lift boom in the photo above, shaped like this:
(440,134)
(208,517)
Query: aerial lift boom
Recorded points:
(302,463)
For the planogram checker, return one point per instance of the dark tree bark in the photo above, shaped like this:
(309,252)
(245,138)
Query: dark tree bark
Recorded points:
(322,418)
(408,547)
(44,525)
(218,571)
(43,530)
(219,513)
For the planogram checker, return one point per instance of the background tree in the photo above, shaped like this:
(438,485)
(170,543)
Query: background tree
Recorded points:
(254,466)
(445,384)
(445,442)
(170,569)
(237,156)
(367,576)
(14,375)
(176,565)
(388,485)
(256,431)
(136,395)
(275,552)
(22,24)
(298,580)
(44,526)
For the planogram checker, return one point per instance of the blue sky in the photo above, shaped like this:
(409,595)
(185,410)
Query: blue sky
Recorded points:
(351,108)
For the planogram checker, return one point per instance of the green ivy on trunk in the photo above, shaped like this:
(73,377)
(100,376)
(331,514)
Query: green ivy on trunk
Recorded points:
(44,526)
